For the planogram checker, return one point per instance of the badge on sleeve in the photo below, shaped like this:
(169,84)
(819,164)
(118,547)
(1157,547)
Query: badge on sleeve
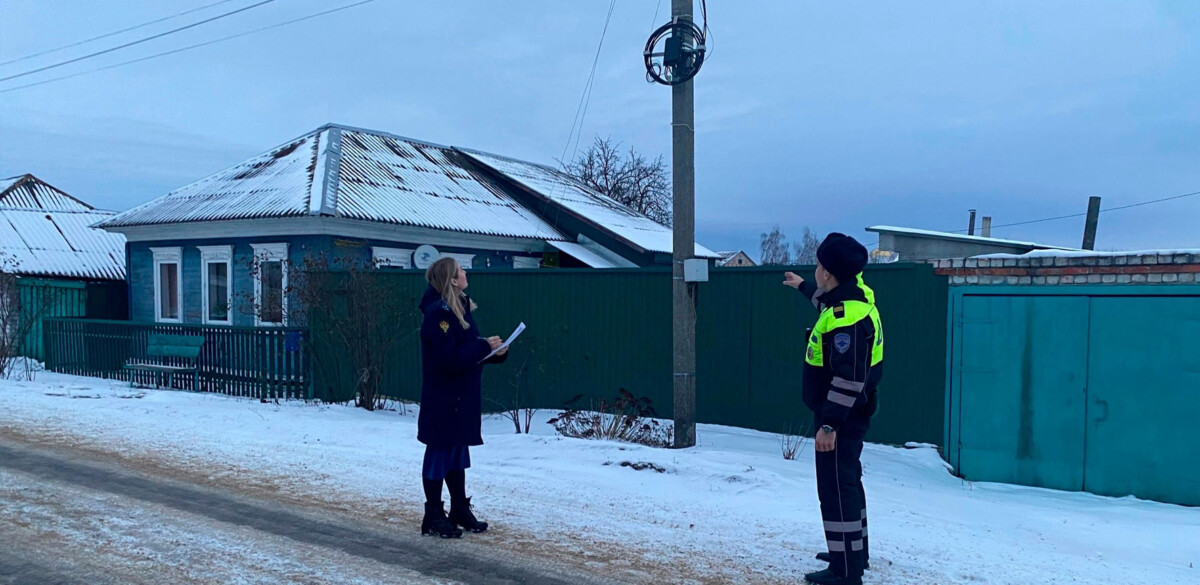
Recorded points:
(445,327)
(841,342)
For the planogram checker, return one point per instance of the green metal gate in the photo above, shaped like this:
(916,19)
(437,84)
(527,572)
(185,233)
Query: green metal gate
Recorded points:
(1077,388)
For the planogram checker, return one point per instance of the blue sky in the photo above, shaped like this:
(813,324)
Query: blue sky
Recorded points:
(831,115)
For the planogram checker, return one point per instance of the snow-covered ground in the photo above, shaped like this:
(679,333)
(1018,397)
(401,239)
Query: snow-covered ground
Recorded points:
(731,510)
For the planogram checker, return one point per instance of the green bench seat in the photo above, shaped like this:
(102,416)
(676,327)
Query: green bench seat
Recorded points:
(162,346)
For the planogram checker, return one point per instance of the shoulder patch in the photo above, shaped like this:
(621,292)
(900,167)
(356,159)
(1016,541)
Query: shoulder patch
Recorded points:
(841,342)
(444,326)
(839,311)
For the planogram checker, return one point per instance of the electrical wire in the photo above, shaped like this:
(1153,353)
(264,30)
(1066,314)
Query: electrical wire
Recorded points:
(189,48)
(137,42)
(585,98)
(1074,215)
(114,33)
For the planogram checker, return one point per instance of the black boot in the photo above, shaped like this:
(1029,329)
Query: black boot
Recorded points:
(436,523)
(828,577)
(824,558)
(460,514)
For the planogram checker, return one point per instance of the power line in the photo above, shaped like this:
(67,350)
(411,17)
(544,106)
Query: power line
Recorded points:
(585,98)
(1106,210)
(114,33)
(189,48)
(137,42)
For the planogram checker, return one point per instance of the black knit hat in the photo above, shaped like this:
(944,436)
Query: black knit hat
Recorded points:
(842,256)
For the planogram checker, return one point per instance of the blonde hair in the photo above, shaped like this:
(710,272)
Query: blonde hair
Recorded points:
(441,276)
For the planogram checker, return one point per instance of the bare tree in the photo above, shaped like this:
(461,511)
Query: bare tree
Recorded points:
(774,248)
(627,177)
(806,248)
(344,303)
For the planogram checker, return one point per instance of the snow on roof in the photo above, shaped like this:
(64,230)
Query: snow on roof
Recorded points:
(1092,253)
(353,173)
(45,232)
(959,237)
(619,220)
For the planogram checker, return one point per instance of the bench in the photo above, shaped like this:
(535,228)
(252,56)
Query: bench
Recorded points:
(162,347)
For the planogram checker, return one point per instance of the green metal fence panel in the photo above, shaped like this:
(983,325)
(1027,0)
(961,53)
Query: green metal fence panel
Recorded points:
(593,332)
(256,362)
(41,299)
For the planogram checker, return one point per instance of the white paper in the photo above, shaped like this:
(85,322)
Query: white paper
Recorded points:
(507,342)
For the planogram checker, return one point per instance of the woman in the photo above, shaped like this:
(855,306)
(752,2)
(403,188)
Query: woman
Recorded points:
(452,358)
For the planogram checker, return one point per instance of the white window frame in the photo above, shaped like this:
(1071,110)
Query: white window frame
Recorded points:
(216,255)
(465,261)
(526,263)
(167,256)
(392,257)
(270,253)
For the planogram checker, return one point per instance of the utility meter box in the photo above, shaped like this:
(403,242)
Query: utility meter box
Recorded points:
(695,270)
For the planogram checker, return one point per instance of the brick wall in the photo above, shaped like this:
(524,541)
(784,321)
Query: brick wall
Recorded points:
(1140,268)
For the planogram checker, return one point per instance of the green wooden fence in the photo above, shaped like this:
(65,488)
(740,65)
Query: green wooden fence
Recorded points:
(255,362)
(593,332)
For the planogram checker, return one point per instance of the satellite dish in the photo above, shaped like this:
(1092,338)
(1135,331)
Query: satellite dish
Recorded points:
(425,256)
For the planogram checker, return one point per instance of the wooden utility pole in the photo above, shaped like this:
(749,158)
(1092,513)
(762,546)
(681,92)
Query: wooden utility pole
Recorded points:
(1089,227)
(683,208)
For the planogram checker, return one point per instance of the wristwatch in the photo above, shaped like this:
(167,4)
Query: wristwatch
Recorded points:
(828,429)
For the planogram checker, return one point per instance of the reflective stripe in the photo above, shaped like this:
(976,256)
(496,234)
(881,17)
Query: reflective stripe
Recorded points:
(837,546)
(864,531)
(842,399)
(845,384)
(856,545)
(842,526)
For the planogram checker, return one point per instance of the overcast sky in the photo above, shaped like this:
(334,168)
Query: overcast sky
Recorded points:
(834,115)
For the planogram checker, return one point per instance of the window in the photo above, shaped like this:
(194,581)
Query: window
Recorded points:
(270,282)
(166,284)
(216,285)
(465,261)
(526,263)
(392,257)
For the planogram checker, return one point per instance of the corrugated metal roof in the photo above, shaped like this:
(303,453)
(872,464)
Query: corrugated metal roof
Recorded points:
(273,184)
(45,232)
(603,212)
(396,180)
(351,173)
(593,258)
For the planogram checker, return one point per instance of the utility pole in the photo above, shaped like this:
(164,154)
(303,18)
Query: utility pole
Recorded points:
(1089,228)
(683,208)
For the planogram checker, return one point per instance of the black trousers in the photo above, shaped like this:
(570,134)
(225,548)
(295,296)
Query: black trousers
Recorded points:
(844,504)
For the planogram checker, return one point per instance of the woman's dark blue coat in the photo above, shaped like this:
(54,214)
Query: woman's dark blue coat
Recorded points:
(452,375)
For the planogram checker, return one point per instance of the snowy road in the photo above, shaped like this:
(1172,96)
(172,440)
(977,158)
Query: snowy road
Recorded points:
(75,521)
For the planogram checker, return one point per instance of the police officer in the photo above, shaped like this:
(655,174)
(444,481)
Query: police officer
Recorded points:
(843,366)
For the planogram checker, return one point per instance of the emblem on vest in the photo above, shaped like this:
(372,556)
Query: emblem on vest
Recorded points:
(445,326)
(841,342)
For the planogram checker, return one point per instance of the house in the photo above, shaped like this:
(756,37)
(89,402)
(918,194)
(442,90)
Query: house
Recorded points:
(734,259)
(360,195)
(61,266)
(913,245)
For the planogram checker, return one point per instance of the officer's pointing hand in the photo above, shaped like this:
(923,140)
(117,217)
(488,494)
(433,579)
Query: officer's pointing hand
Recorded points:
(792,279)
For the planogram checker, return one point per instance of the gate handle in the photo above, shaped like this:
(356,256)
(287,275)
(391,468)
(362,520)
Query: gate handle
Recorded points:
(1103,403)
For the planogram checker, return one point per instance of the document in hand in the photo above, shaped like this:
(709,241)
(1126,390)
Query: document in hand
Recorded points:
(507,342)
